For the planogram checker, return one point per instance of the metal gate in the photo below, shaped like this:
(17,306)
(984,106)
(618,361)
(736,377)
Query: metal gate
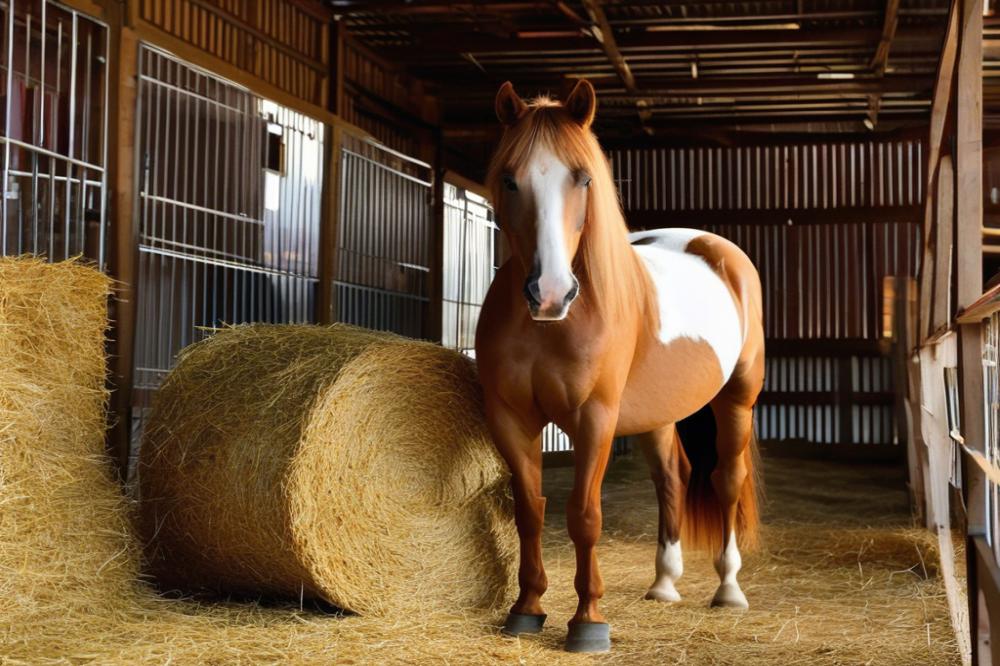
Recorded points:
(54,131)
(471,257)
(383,247)
(228,210)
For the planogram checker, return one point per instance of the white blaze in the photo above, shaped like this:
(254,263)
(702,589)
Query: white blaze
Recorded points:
(548,179)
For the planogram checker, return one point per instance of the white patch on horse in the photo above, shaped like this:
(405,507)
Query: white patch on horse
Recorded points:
(669,567)
(727,566)
(548,178)
(694,301)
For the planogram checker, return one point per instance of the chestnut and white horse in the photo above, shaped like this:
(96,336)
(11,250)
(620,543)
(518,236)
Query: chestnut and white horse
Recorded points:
(607,333)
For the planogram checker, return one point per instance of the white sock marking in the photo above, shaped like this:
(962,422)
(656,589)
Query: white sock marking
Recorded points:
(729,562)
(669,567)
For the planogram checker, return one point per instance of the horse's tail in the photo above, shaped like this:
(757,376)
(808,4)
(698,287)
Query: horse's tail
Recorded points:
(702,526)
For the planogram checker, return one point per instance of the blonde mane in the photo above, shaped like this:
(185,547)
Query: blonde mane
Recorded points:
(607,268)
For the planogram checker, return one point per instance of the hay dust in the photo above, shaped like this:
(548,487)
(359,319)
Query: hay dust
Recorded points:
(842,576)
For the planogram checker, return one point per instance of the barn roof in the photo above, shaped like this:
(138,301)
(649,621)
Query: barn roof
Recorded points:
(665,68)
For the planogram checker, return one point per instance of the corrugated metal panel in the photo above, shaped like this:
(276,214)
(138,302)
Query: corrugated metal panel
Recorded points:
(796,176)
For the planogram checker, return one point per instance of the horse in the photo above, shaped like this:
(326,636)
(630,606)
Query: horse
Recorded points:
(606,334)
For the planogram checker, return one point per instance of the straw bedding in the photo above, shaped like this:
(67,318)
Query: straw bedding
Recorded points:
(326,463)
(841,578)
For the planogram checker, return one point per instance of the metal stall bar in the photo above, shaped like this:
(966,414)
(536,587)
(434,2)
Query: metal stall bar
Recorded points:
(54,66)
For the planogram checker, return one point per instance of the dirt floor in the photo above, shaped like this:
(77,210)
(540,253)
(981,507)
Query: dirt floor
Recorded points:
(843,578)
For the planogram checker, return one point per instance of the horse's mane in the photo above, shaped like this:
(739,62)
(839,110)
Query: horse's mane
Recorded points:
(604,259)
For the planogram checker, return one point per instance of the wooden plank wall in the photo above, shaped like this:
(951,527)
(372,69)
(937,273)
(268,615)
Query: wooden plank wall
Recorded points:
(282,43)
(391,107)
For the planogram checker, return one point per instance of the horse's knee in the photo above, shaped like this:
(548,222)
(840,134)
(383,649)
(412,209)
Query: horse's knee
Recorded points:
(584,522)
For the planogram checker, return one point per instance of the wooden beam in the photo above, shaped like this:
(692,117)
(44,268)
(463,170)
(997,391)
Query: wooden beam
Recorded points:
(940,110)
(605,35)
(656,219)
(941,99)
(438,43)
(469,91)
(889,24)
(881,57)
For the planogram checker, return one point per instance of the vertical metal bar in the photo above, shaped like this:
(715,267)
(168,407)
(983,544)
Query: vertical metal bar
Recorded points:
(7,102)
(52,164)
(71,152)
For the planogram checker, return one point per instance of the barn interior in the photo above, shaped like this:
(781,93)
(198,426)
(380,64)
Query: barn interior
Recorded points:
(321,161)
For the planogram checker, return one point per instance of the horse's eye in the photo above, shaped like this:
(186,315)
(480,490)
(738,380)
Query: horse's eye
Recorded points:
(583,180)
(510,184)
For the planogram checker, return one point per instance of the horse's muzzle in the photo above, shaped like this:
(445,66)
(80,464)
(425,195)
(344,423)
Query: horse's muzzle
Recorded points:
(543,309)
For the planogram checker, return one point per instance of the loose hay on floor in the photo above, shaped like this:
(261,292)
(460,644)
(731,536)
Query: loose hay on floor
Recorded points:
(842,577)
(327,462)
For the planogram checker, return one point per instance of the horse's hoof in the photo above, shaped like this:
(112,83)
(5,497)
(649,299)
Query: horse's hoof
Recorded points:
(518,624)
(663,592)
(729,595)
(588,637)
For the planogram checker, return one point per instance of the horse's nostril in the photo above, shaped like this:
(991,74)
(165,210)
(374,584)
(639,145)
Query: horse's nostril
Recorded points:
(532,292)
(572,292)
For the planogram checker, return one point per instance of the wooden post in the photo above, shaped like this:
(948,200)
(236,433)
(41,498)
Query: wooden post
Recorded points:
(941,311)
(433,327)
(940,111)
(968,241)
(969,271)
(122,240)
(908,431)
(326,297)
(335,85)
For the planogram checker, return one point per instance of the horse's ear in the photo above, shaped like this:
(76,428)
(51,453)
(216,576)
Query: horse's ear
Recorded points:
(582,103)
(509,106)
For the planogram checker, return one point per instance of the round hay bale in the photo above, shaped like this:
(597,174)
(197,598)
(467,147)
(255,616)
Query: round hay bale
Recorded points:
(332,463)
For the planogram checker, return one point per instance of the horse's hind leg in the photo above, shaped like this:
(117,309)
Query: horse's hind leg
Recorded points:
(660,448)
(732,478)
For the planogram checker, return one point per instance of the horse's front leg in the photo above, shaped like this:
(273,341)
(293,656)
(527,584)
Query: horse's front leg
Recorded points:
(592,435)
(520,446)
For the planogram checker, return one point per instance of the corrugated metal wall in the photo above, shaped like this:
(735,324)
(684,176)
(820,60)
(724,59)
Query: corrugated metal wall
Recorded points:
(798,176)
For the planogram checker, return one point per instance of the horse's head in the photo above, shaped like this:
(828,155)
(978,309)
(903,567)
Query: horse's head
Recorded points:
(541,179)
